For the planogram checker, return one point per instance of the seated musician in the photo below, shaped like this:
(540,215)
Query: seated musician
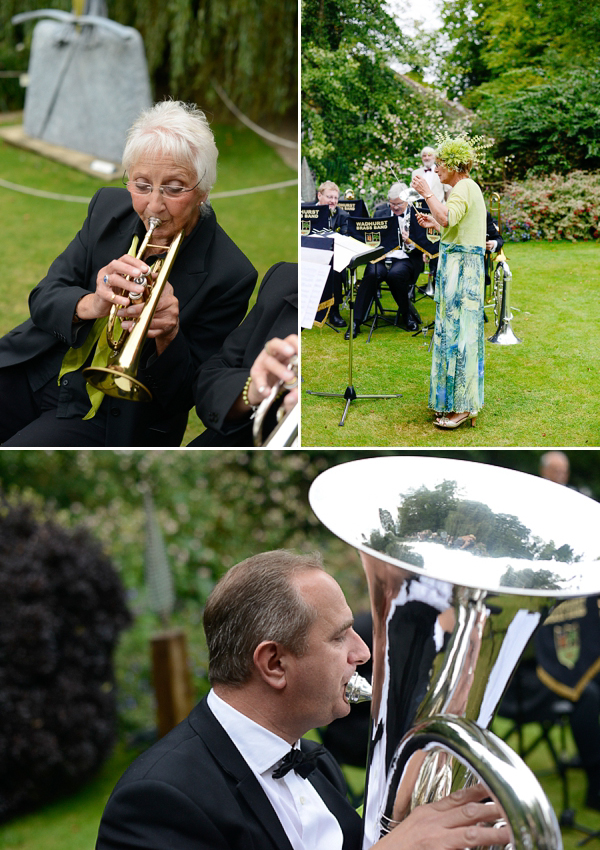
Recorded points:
(400,268)
(493,244)
(255,356)
(328,193)
(170,161)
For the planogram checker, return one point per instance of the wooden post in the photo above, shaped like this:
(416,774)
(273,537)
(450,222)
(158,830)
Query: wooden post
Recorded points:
(171,675)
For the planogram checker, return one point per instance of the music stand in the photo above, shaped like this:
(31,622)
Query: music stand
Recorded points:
(350,393)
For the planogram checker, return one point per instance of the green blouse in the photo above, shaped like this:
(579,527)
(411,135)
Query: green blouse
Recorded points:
(466,215)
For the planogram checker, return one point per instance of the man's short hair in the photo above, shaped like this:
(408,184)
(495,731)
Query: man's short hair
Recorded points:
(396,189)
(257,601)
(328,184)
(428,150)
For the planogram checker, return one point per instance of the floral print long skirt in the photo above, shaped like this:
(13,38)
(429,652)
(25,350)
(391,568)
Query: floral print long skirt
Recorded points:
(458,343)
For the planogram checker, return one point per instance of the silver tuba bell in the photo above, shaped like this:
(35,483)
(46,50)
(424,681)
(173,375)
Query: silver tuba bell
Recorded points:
(463,562)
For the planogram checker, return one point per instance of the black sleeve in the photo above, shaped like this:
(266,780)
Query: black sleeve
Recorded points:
(153,815)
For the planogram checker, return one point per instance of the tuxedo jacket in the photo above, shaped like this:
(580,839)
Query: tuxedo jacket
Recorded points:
(221,379)
(194,791)
(418,235)
(211,278)
(491,232)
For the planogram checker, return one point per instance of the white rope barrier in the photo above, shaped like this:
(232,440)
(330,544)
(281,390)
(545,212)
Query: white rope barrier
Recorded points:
(53,196)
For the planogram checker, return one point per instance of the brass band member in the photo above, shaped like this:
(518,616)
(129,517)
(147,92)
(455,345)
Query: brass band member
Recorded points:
(170,162)
(235,774)
(328,194)
(255,356)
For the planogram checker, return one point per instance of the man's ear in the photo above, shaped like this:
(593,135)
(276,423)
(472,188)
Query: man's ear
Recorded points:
(268,657)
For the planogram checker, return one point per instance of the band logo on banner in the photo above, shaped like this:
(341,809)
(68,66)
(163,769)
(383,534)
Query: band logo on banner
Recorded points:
(375,232)
(422,206)
(313,218)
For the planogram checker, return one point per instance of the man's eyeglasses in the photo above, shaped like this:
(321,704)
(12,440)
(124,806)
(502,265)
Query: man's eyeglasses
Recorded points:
(141,188)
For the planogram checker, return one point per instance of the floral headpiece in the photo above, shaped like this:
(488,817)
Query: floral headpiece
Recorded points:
(460,153)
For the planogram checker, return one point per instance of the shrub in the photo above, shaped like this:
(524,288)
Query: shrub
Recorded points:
(62,609)
(552,127)
(554,207)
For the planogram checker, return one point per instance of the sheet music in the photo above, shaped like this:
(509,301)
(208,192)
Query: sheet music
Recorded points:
(345,248)
(314,269)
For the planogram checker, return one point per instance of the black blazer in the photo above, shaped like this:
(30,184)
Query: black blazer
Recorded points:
(221,379)
(212,279)
(194,791)
(418,235)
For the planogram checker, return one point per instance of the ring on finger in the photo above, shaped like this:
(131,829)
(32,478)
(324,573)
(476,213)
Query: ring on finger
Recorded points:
(105,279)
(112,296)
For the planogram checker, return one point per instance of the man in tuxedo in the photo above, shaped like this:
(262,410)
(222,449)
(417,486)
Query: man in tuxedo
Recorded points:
(328,194)
(235,775)
(427,170)
(400,268)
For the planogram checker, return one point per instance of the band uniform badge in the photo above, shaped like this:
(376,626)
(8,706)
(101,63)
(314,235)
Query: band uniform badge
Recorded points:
(373,239)
(567,644)
(305,227)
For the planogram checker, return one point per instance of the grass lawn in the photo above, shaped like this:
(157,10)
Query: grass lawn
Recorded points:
(543,392)
(263,224)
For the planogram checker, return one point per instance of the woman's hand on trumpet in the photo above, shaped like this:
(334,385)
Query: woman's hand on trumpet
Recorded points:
(110,280)
(164,326)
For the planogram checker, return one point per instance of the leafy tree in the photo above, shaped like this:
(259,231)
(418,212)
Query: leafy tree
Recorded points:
(551,127)
(363,124)
(248,46)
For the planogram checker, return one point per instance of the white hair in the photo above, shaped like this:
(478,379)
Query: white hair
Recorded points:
(395,190)
(178,130)
(427,150)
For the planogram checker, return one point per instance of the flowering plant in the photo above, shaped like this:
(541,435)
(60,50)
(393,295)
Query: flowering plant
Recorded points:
(553,207)
(461,153)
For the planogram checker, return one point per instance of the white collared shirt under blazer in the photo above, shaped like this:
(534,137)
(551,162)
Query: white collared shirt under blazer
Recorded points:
(307,821)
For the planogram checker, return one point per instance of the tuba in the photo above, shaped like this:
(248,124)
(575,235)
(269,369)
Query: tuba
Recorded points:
(118,377)
(463,562)
(503,314)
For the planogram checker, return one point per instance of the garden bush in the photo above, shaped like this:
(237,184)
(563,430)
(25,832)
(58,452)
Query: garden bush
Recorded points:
(554,207)
(63,606)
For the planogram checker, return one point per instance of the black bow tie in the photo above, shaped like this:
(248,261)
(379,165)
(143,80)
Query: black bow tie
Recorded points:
(428,169)
(302,763)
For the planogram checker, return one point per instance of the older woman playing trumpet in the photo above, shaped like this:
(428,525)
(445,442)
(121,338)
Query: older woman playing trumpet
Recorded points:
(170,163)
(456,388)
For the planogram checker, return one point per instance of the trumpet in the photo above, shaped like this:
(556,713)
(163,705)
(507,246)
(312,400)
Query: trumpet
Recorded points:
(118,378)
(285,433)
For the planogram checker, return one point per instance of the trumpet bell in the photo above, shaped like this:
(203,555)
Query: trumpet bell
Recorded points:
(116,382)
(463,562)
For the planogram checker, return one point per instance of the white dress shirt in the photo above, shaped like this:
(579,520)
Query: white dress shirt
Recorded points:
(403,230)
(307,821)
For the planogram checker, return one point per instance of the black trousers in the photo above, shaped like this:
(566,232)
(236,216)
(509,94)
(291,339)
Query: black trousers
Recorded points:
(28,419)
(400,277)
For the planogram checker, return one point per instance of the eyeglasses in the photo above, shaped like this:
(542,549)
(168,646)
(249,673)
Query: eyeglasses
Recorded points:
(140,188)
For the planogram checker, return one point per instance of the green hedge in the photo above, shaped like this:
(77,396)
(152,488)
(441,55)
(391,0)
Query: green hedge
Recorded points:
(554,207)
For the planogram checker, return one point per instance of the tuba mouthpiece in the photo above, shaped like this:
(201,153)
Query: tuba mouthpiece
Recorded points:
(358,689)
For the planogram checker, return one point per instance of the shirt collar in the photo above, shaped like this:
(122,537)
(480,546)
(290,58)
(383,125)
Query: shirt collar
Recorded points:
(260,748)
